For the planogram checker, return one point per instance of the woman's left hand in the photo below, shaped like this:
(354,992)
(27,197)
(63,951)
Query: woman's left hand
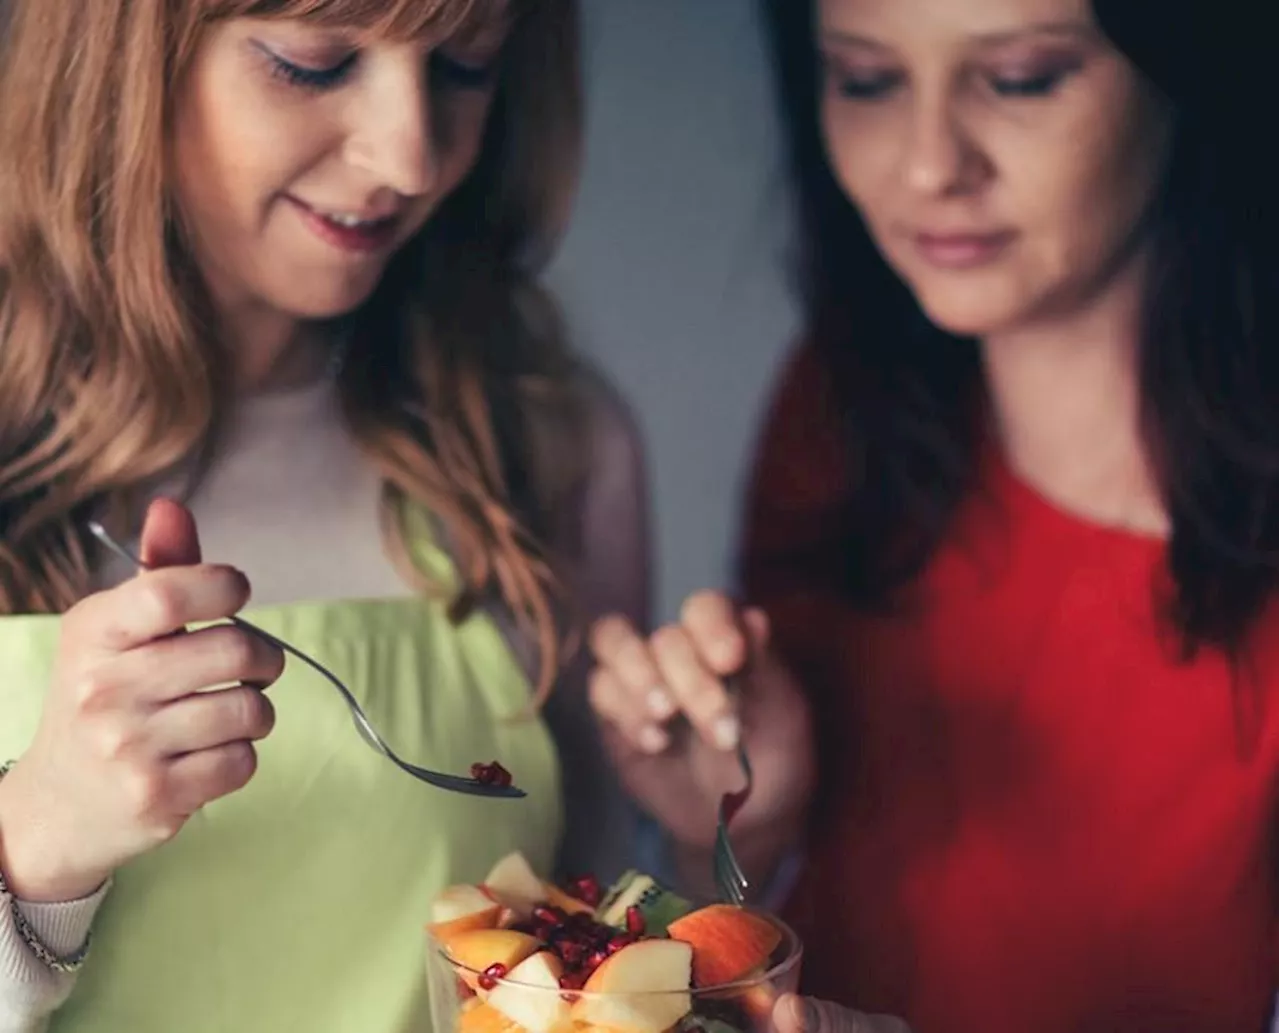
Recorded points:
(794,1014)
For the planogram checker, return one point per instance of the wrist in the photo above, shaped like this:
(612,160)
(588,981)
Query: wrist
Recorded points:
(35,868)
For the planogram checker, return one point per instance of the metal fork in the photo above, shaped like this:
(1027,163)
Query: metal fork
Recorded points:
(453,783)
(729,876)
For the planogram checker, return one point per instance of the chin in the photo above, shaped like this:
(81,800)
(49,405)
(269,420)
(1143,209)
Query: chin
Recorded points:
(969,310)
(322,304)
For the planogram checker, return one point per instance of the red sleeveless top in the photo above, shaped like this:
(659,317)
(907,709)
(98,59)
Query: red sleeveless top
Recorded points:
(1034,819)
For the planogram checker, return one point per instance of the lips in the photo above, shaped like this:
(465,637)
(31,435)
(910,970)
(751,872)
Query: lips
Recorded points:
(961,250)
(360,232)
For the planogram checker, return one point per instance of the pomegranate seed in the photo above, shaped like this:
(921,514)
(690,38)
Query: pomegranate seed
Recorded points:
(587,889)
(595,959)
(635,921)
(618,942)
(551,916)
(478,771)
(490,976)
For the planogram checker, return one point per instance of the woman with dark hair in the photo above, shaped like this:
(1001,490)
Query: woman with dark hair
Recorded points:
(1012,529)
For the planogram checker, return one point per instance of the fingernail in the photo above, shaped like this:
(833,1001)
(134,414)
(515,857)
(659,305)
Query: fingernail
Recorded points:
(724,733)
(659,703)
(652,739)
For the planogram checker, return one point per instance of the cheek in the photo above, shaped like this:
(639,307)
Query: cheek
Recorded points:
(231,165)
(860,150)
(460,130)
(1092,196)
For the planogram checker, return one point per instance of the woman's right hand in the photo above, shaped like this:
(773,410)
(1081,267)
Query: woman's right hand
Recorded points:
(139,728)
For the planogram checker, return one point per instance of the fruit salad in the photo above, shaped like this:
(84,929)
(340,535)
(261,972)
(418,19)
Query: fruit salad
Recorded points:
(519,954)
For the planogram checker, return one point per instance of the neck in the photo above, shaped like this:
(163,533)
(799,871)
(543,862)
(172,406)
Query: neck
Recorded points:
(271,351)
(1066,400)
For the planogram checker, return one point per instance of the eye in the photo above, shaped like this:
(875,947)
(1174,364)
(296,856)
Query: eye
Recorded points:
(863,87)
(308,77)
(1027,86)
(450,72)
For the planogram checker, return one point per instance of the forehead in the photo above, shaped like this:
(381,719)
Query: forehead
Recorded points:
(950,21)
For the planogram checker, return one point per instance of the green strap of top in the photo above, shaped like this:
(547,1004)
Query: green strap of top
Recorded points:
(298,902)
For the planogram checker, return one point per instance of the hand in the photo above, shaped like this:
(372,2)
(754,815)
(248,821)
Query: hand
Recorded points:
(139,730)
(794,1014)
(672,727)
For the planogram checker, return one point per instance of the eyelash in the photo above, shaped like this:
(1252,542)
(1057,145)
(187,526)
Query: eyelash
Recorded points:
(446,71)
(1032,88)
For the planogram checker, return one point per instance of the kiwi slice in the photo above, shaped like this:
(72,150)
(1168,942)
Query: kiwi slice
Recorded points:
(658,904)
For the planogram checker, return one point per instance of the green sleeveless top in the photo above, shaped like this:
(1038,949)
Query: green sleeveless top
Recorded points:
(297,904)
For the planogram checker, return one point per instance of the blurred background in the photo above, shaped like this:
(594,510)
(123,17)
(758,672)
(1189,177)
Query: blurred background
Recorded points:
(673,271)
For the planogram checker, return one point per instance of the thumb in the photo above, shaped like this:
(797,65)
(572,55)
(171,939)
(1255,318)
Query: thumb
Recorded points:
(794,1014)
(169,537)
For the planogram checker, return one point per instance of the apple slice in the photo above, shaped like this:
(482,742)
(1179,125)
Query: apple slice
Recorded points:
(629,991)
(461,908)
(728,942)
(513,884)
(530,994)
(478,949)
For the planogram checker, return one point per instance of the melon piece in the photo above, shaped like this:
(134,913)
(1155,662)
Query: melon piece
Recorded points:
(459,909)
(530,996)
(557,897)
(484,1019)
(477,950)
(644,988)
(728,942)
(513,884)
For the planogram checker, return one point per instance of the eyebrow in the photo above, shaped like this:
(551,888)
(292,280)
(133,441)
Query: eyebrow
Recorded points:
(1079,30)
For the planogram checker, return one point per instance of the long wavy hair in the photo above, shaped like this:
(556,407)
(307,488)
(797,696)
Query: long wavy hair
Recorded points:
(1208,352)
(108,376)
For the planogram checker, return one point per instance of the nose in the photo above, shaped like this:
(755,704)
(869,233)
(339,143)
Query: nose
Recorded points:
(938,159)
(392,135)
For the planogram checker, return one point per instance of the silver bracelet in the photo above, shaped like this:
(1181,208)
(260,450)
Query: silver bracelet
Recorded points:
(57,962)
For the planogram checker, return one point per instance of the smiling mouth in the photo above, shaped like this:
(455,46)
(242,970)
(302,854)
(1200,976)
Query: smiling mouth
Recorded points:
(350,231)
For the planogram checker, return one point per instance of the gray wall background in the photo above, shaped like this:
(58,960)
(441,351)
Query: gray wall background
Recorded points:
(673,271)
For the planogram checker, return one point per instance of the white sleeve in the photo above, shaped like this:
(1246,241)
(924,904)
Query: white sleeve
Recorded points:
(30,991)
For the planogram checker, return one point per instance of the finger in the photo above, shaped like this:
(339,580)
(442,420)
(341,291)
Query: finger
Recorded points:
(224,654)
(205,720)
(715,627)
(196,778)
(625,712)
(617,646)
(697,691)
(158,603)
(169,537)
(795,1014)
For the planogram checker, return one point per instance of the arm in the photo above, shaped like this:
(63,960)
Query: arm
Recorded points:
(603,547)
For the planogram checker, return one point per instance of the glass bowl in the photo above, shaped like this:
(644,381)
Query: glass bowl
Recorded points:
(636,990)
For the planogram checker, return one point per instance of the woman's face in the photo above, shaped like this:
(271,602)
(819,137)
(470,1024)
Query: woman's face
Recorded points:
(1002,153)
(303,161)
